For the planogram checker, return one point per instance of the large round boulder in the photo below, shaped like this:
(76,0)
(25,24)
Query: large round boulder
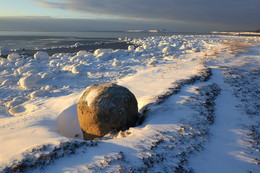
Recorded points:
(106,107)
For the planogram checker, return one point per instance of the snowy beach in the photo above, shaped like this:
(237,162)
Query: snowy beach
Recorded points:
(198,96)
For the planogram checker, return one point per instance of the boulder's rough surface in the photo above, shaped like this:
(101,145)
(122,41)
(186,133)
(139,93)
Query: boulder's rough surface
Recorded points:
(106,107)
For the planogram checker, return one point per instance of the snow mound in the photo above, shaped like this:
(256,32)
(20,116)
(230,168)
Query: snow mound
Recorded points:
(68,124)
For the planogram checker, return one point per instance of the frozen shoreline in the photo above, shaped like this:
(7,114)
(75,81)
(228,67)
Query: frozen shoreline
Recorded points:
(91,47)
(37,91)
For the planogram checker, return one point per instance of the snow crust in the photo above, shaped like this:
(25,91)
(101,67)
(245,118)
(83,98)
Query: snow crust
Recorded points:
(39,96)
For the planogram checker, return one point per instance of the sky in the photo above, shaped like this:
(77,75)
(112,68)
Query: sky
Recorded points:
(115,15)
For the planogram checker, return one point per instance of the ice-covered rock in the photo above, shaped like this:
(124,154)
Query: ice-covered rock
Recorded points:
(190,51)
(13,103)
(82,56)
(19,63)
(29,82)
(139,49)
(47,87)
(146,46)
(83,53)
(153,62)
(167,49)
(78,44)
(182,47)
(131,47)
(16,110)
(41,55)
(103,55)
(77,69)
(47,75)
(37,93)
(106,107)
(16,101)
(116,63)
(13,56)
(99,51)
(7,82)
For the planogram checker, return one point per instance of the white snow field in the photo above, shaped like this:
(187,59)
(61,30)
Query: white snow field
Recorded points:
(198,98)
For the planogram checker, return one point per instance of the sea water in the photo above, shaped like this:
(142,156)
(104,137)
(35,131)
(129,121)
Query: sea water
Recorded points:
(43,39)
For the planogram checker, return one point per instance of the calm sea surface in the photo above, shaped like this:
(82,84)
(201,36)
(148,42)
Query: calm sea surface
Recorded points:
(32,39)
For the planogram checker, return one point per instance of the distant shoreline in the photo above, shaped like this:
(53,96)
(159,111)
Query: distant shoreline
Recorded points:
(90,48)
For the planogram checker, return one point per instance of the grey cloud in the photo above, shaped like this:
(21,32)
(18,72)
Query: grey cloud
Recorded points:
(53,24)
(225,13)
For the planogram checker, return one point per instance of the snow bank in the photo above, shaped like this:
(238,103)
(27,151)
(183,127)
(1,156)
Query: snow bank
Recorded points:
(68,124)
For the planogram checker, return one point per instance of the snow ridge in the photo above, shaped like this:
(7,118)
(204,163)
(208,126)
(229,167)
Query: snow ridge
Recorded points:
(203,75)
(42,156)
(245,84)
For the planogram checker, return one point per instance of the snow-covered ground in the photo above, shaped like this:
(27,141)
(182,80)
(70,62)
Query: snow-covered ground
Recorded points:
(198,97)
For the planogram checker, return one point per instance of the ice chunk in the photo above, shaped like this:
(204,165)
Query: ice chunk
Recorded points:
(76,69)
(13,56)
(41,55)
(16,110)
(116,63)
(37,93)
(103,55)
(146,46)
(182,47)
(83,53)
(152,63)
(19,63)
(14,103)
(78,44)
(29,82)
(139,49)
(99,51)
(167,49)
(7,82)
(47,75)
(131,47)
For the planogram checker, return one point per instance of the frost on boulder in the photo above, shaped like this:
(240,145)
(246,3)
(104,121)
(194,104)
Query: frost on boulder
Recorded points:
(106,107)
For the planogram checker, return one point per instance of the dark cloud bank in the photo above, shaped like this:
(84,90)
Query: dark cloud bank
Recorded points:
(178,15)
